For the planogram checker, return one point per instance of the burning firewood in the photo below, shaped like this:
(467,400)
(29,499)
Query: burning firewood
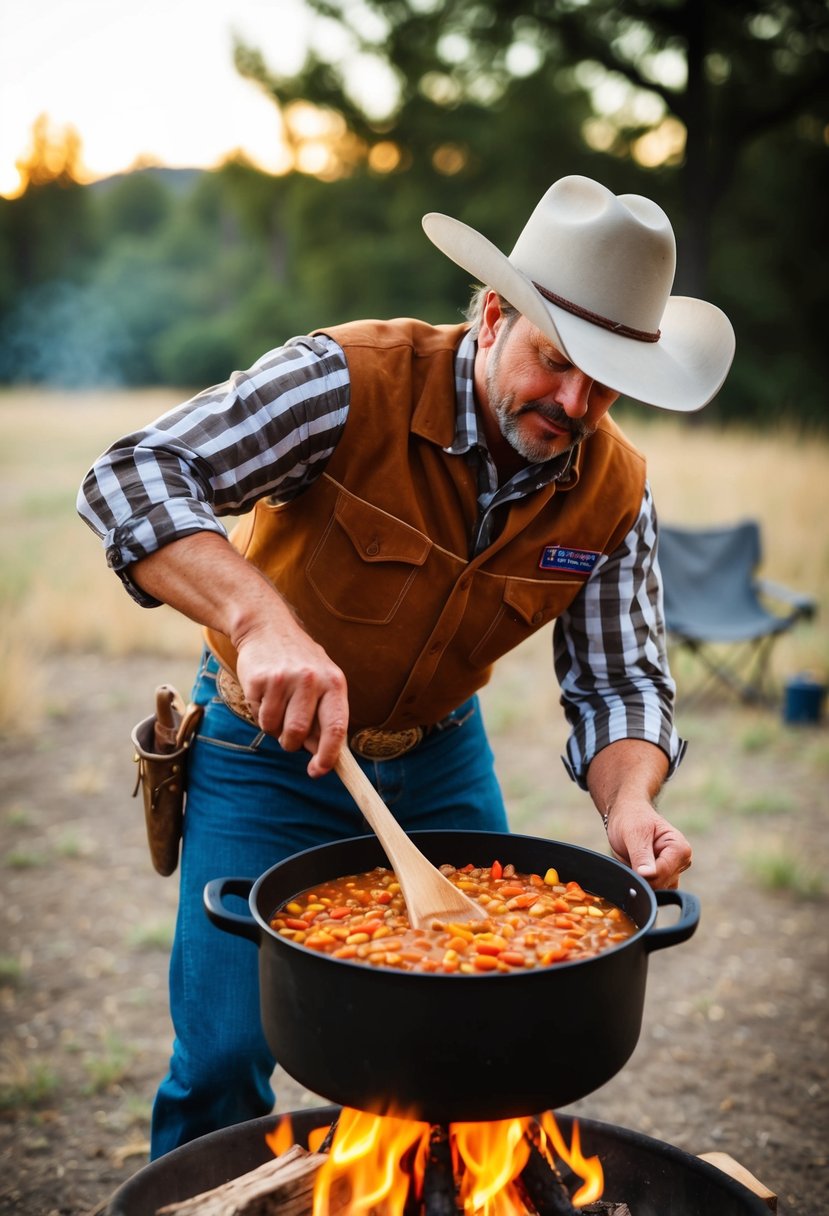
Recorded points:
(543,1186)
(439,1197)
(284,1186)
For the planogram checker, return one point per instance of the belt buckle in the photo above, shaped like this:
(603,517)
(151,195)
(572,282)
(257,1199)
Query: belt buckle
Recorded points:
(373,744)
(230,691)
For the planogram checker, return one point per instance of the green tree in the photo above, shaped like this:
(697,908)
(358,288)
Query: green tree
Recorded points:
(48,231)
(698,103)
(137,204)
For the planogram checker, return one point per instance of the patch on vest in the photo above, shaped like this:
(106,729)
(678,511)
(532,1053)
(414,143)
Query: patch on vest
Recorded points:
(573,561)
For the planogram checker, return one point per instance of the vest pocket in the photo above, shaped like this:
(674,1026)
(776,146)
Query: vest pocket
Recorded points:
(526,606)
(365,562)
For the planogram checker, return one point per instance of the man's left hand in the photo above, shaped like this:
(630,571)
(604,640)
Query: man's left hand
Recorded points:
(624,780)
(649,844)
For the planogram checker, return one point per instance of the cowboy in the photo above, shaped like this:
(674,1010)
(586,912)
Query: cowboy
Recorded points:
(423,499)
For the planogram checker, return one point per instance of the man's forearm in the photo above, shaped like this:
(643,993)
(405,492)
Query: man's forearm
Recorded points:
(629,770)
(206,579)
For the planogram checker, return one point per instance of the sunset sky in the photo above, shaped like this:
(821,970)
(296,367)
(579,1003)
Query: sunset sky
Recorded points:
(137,78)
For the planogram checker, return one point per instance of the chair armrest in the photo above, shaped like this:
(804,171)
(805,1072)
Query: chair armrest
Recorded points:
(804,605)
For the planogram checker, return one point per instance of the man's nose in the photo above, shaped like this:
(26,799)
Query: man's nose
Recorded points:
(573,392)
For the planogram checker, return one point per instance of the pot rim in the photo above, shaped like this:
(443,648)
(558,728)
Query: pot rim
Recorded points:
(533,975)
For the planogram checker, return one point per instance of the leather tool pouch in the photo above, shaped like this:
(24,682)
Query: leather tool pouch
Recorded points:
(161,743)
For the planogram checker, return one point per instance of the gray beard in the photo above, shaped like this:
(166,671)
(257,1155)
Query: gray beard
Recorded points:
(536,451)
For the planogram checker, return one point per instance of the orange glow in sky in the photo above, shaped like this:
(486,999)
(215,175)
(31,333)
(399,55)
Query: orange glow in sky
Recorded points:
(151,79)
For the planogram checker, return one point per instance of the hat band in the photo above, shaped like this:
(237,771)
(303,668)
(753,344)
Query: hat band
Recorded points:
(595,318)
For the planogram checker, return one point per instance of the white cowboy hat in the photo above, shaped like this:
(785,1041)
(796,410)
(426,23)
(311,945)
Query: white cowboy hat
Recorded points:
(594,272)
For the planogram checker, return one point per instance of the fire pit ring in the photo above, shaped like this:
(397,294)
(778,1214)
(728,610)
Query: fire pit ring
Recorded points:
(653,1178)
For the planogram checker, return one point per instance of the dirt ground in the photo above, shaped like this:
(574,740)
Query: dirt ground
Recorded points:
(733,1050)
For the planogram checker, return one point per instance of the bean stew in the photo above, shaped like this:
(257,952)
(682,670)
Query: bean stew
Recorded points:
(531,921)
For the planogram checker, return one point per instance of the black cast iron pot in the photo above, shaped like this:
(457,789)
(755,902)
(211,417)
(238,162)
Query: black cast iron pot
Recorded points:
(446,1048)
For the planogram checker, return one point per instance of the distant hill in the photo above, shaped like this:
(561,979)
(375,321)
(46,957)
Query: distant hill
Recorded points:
(180,181)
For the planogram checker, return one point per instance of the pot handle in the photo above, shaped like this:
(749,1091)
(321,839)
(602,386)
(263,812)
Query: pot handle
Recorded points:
(231,922)
(684,928)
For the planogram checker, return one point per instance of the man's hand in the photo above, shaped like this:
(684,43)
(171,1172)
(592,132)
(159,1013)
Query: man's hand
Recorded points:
(298,693)
(650,845)
(296,690)
(624,779)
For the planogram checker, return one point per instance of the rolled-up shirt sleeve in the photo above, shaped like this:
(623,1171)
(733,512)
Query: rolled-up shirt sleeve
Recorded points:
(265,431)
(611,658)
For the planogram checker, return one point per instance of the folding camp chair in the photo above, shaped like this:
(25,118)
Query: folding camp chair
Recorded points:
(715,605)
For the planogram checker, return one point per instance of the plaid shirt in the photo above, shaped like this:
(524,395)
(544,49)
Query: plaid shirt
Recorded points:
(269,432)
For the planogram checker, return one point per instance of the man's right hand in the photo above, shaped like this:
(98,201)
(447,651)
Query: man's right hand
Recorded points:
(299,694)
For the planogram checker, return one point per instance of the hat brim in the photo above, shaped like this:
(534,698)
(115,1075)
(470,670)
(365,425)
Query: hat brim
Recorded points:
(681,372)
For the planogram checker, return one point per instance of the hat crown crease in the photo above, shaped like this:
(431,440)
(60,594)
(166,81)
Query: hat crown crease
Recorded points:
(612,256)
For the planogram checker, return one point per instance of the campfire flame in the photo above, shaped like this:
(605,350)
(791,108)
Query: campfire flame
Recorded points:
(382,1158)
(589,1169)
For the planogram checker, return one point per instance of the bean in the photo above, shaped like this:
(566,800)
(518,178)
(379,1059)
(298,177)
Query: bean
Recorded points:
(458,943)
(319,940)
(520,901)
(485,962)
(488,948)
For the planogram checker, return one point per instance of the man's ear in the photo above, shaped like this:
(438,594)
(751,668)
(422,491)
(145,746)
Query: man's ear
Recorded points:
(491,318)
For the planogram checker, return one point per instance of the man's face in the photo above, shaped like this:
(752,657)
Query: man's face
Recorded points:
(542,403)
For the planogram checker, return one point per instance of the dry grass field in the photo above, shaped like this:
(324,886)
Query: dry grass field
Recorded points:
(733,1052)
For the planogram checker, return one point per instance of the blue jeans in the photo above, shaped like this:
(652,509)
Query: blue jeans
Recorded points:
(249,805)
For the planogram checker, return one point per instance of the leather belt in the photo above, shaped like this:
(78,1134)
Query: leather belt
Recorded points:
(371,743)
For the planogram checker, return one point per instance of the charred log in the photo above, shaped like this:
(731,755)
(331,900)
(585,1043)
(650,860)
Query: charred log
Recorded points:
(543,1186)
(325,1147)
(439,1192)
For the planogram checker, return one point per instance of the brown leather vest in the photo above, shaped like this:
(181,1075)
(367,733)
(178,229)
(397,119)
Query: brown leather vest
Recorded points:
(374,556)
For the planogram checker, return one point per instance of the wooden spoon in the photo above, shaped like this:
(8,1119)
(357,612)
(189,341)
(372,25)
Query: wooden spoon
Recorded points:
(429,895)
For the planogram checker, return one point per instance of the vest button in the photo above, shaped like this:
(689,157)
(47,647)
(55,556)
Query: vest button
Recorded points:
(373,549)
(538,617)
